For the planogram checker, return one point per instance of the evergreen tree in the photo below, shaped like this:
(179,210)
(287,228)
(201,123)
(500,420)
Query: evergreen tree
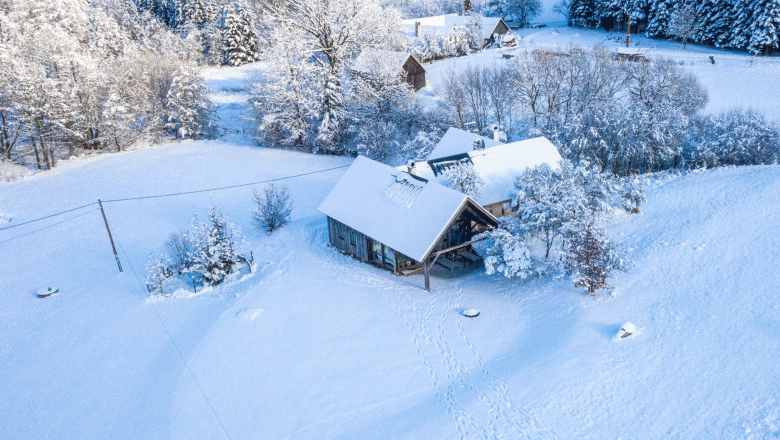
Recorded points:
(658,19)
(742,12)
(158,273)
(241,41)
(216,241)
(582,13)
(189,108)
(589,258)
(765,29)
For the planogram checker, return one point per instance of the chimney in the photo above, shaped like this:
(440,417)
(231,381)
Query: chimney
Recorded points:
(479,144)
(416,28)
(412,168)
(496,133)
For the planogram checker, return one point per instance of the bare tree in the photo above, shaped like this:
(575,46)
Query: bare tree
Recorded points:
(684,22)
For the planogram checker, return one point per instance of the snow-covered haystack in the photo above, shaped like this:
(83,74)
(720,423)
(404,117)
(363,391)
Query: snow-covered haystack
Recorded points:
(471,313)
(43,292)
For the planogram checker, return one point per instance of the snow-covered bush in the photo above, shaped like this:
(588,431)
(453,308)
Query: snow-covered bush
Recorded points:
(181,249)
(465,178)
(158,273)
(421,146)
(506,253)
(215,256)
(378,140)
(273,207)
(633,197)
(737,137)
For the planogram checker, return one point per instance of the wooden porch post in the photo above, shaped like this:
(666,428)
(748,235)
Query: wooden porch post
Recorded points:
(425,273)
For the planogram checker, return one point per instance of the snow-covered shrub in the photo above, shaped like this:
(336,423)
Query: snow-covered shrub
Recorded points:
(737,137)
(633,197)
(181,249)
(158,273)
(465,178)
(506,253)
(272,207)
(216,242)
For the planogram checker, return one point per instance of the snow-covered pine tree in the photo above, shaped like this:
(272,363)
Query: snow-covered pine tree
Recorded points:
(742,14)
(272,207)
(582,13)
(240,39)
(216,243)
(720,23)
(765,28)
(465,178)
(331,115)
(158,273)
(658,19)
(189,108)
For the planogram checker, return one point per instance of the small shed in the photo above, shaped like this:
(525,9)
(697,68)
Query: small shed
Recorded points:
(372,60)
(398,221)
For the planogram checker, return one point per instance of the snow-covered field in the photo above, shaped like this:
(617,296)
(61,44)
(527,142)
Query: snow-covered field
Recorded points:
(315,345)
(736,80)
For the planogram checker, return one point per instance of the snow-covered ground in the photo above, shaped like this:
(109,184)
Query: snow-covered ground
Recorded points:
(736,80)
(315,345)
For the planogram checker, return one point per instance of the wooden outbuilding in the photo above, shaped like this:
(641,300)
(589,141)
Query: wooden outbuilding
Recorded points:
(371,61)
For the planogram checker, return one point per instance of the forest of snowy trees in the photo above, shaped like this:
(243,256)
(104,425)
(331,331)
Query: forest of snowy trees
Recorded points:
(752,25)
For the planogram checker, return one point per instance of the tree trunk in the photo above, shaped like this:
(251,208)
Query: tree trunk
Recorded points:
(35,148)
(628,30)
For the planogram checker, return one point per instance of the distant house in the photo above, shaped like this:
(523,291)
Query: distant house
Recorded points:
(457,141)
(406,219)
(629,54)
(499,165)
(493,28)
(372,59)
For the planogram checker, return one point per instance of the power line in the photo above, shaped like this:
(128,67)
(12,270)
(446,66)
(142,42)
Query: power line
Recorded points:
(183,359)
(170,195)
(48,216)
(222,187)
(47,227)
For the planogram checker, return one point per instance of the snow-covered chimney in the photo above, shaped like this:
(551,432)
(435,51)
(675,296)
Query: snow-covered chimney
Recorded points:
(416,28)
(496,133)
(412,168)
(479,144)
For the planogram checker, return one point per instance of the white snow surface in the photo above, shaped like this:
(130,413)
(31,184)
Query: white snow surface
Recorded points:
(316,345)
(392,207)
(499,166)
(457,141)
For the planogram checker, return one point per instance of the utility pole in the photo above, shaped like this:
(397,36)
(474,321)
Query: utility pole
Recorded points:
(105,220)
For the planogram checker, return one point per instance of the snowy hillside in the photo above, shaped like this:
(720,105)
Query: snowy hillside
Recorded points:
(316,345)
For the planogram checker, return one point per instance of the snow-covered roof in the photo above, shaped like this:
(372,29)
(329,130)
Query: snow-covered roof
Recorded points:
(443,24)
(628,50)
(367,60)
(457,141)
(499,166)
(404,212)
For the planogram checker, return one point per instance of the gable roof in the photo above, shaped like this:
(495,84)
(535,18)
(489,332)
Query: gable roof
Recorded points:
(443,24)
(369,57)
(457,141)
(499,166)
(402,211)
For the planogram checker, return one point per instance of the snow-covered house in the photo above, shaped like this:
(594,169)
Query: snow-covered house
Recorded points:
(498,165)
(457,141)
(399,221)
(371,59)
(492,27)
